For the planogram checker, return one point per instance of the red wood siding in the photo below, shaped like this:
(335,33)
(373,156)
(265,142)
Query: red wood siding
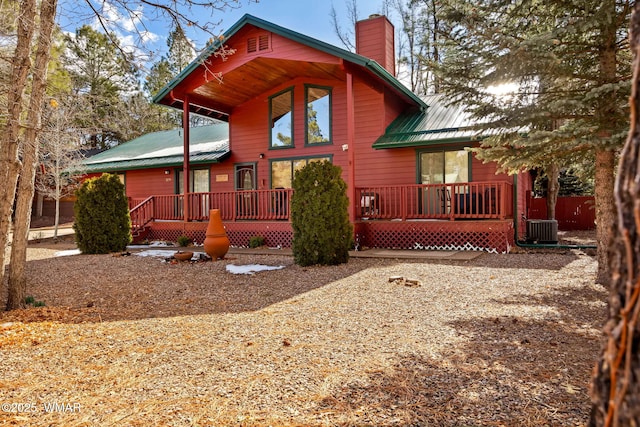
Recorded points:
(146,182)
(372,116)
(249,130)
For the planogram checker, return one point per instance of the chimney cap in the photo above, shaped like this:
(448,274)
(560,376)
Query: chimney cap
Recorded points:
(374,15)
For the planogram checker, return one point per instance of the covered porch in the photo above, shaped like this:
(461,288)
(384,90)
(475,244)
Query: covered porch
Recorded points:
(470,215)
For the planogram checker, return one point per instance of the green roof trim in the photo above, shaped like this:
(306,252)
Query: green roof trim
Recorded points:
(248,19)
(207,144)
(439,124)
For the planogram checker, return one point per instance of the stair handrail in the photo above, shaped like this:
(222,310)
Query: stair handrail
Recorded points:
(142,213)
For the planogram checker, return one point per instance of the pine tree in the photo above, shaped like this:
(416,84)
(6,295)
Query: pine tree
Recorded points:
(181,53)
(159,75)
(181,50)
(569,64)
(102,78)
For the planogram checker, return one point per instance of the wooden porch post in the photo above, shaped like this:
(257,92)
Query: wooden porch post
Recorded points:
(351,180)
(185,161)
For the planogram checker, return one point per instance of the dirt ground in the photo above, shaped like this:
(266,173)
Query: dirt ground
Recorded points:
(501,340)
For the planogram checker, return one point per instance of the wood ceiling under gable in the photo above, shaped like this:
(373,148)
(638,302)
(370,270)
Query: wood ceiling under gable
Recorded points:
(259,72)
(260,75)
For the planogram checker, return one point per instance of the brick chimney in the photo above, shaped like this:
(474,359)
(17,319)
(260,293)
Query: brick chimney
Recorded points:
(375,39)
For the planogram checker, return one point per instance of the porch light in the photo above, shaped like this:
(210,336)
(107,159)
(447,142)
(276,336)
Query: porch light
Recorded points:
(261,155)
(167,171)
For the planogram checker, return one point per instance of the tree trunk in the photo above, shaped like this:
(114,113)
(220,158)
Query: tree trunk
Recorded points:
(605,211)
(56,222)
(9,162)
(606,116)
(39,205)
(616,381)
(22,218)
(553,188)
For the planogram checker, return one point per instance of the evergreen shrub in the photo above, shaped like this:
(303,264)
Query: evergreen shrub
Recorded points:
(256,241)
(322,233)
(102,222)
(184,240)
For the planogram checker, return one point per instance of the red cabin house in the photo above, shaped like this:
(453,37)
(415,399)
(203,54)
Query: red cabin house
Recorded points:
(285,99)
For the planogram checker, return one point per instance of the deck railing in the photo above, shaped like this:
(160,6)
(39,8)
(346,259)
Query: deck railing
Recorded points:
(472,200)
(257,205)
(468,200)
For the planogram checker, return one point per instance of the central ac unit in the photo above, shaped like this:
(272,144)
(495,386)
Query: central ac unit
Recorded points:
(542,230)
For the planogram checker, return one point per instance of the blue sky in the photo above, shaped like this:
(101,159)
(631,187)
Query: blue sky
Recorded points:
(309,17)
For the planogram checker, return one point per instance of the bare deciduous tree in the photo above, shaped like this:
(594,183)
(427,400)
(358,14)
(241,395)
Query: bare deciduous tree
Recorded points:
(22,218)
(60,156)
(9,154)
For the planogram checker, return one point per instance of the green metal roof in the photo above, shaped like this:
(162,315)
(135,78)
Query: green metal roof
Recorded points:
(439,124)
(207,144)
(247,19)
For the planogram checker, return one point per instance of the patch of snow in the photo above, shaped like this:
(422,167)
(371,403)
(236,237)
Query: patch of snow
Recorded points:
(156,253)
(155,243)
(251,268)
(204,147)
(68,252)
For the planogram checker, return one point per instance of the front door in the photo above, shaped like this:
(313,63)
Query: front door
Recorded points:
(198,183)
(245,181)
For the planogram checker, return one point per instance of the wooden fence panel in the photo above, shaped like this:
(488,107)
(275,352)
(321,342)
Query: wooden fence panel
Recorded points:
(572,213)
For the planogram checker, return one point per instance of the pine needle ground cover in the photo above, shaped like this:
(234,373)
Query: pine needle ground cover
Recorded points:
(503,340)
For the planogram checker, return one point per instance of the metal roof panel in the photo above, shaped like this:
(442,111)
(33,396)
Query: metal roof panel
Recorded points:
(208,144)
(439,124)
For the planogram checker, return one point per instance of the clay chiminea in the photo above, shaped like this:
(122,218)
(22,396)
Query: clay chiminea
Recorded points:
(216,243)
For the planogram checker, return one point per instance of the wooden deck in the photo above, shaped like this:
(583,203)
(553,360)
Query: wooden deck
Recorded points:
(462,216)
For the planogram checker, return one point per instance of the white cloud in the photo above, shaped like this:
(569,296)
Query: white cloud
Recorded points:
(130,26)
(149,37)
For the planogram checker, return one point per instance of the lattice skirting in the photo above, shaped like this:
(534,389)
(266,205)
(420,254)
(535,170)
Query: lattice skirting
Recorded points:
(276,233)
(490,236)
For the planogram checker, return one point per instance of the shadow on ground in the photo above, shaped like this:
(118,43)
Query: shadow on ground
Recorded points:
(96,288)
(510,372)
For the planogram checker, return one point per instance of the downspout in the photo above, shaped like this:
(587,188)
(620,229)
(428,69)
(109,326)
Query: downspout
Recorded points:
(535,245)
(351,180)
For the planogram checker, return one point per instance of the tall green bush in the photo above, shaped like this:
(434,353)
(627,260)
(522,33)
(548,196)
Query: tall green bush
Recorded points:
(102,221)
(322,233)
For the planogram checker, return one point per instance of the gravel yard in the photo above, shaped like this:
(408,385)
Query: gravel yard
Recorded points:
(502,340)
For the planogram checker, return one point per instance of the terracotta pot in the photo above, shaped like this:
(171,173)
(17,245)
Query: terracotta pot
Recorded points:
(216,244)
(183,256)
